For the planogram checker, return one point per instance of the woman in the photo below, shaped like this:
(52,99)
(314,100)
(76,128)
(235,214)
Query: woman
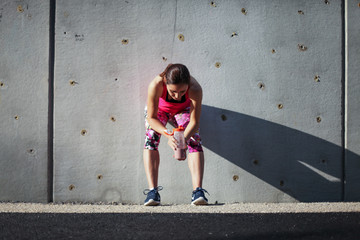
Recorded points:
(173,96)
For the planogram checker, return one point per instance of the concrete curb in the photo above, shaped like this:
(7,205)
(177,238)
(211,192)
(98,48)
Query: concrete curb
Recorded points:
(220,208)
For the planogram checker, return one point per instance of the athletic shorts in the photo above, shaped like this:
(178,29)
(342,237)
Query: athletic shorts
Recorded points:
(152,138)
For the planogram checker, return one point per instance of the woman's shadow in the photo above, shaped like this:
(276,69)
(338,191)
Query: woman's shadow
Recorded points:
(303,166)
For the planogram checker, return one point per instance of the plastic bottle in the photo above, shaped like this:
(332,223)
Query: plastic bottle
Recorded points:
(180,152)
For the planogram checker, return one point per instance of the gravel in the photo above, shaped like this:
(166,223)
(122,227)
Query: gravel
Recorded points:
(323,207)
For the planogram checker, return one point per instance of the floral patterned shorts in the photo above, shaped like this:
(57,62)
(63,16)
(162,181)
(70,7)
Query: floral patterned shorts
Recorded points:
(152,138)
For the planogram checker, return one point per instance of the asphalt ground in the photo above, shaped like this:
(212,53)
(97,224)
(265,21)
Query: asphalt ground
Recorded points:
(272,221)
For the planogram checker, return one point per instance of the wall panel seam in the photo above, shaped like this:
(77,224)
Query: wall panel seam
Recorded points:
(50,171)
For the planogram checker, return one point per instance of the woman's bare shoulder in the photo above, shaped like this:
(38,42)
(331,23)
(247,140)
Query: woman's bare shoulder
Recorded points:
(156,86)
(195,91)
(156,82)
(194,85)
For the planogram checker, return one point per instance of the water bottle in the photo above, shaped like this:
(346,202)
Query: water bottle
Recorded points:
(180,152)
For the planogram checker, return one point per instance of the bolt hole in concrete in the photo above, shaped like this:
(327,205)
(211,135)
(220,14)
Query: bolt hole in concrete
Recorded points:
(20,9)
(261,86)
(300,12)
(234,34)
(1,84)
(317,78)
(31,151)
(280,106)
(16,117)
(72,82)
(302,47)
(83,132)
(223,117)
(235,178)
(71,187)
(125,41)
(318,119)
(213,4)
(327,2)
(255,162)
(164,59)
(113,119)
(99,177)
(181,37)
(217,65)
(282,183)
(243,11)
(116,79)
(273,51)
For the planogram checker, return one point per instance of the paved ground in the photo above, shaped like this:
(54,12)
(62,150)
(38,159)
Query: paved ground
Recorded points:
(229,221)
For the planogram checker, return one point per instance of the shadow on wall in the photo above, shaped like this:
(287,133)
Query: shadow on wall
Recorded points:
(303,166)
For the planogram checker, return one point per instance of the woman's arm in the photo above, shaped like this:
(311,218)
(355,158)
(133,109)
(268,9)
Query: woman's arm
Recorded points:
(195,95)
(154,93)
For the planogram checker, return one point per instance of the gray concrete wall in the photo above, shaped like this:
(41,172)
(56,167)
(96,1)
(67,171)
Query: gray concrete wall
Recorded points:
(352,162)
(24,65)
(273,110)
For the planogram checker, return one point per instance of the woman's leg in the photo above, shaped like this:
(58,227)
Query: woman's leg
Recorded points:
(196,155)
(151,164)
(196,166)
(151,155)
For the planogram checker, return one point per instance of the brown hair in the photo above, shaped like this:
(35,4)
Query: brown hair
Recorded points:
(176,74)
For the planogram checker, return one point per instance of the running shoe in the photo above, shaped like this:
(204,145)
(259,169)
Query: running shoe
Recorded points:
(198,197)
(153,196)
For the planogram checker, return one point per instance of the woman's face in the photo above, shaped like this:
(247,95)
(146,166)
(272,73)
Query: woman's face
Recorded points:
(177,91)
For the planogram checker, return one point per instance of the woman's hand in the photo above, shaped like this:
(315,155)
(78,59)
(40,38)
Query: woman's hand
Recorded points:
(172,142)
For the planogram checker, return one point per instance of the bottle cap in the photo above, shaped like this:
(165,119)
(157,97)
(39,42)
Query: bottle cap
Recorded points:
(180,129)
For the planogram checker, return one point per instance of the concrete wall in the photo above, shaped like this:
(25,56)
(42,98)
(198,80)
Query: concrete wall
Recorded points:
(352,106)
(24,65)
(273,110)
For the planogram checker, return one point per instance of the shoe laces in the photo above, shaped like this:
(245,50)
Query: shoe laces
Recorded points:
(201,189)
(146,191)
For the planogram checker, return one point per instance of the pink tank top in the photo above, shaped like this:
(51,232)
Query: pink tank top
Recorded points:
(173,107)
